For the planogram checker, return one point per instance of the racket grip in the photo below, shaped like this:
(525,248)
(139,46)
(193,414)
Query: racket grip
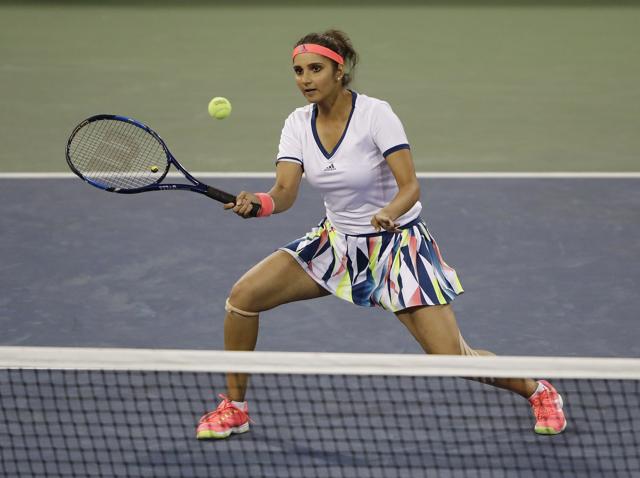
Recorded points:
(220,196)
(255,209)
(223,197)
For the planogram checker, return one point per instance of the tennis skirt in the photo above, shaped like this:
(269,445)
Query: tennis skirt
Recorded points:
(394,271)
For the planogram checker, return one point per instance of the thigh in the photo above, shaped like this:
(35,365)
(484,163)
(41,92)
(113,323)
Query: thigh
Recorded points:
(434,327)
(275,280)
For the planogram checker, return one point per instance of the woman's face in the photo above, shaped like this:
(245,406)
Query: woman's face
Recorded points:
(316,76)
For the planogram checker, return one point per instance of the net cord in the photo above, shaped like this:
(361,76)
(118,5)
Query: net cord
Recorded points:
(317,363)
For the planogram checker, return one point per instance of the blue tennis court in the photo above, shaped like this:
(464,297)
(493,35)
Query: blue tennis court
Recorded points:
(548,265)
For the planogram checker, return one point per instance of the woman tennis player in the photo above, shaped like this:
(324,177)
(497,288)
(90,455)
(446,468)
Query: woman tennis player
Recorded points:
(372,249)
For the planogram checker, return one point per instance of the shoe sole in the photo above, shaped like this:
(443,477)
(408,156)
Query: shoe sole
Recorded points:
(211,434)
(550,430)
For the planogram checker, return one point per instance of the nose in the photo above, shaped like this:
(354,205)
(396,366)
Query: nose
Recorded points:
(306,78)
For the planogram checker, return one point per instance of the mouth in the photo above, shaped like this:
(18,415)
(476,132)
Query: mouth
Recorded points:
(309,91)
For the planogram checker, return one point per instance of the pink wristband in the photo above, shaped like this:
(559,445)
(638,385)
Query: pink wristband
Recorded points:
(266,204)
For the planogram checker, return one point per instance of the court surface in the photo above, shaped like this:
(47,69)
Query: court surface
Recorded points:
(550,267)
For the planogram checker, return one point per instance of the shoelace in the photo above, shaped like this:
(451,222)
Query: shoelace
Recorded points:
(222,407)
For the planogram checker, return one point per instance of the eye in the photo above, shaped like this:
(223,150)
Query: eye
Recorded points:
(297,70)
(316,68)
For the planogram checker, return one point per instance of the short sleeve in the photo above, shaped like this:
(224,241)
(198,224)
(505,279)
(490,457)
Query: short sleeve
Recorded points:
(290,148)
(387,130)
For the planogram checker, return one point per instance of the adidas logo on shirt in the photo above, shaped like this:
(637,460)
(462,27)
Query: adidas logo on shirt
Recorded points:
(331,167)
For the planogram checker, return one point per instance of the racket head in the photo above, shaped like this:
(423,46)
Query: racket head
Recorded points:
(117,154)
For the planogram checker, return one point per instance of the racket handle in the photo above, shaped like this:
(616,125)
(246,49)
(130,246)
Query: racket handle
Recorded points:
(223,197)
(255,209)
(220,196)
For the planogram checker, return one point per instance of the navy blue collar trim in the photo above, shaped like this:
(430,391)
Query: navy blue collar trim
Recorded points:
(314,115)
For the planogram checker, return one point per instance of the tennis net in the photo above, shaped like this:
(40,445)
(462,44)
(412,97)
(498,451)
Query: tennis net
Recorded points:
(132,412)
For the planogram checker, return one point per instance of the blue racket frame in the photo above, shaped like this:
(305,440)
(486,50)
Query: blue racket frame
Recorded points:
(196,186)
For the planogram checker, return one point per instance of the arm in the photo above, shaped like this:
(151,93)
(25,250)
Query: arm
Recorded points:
(284,192)
(401,165)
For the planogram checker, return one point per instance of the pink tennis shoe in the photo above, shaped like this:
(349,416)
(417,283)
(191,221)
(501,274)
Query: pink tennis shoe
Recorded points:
(228,419)
(223,421)
(547,408)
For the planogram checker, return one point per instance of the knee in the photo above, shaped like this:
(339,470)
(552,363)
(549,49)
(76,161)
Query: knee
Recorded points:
(239,294)
(454,346)
(466,350)
(449,347)
(241,301)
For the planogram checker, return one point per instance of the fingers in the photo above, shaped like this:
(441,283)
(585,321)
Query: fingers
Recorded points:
(390,226)
(382,221)
(244,204)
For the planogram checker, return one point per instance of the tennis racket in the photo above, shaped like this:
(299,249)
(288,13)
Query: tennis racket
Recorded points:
(123,155)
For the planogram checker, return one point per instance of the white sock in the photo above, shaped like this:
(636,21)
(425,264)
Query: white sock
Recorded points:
(240,405)
(540,389)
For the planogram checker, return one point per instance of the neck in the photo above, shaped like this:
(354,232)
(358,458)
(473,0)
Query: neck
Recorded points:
(335,105)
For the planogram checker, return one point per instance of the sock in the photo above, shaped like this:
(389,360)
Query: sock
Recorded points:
(540,389)
(240,405)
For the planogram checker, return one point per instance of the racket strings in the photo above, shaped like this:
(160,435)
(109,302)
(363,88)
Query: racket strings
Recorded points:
(117,154)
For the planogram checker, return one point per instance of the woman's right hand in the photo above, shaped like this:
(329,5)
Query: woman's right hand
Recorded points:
(244,204)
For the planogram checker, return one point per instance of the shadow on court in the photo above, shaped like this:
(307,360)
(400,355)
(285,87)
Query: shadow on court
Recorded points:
(550,267)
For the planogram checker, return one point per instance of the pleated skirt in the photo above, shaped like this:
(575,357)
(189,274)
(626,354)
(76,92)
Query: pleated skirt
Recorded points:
(394,271)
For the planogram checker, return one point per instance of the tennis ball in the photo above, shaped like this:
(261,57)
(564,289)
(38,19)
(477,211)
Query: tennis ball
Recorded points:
(219,107)
(154,169)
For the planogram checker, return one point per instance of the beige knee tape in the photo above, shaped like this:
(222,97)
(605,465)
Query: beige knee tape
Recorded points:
(229,308)
(468,351)
(465,349)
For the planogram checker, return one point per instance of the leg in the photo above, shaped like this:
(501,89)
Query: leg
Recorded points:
(436,330)
(276,280)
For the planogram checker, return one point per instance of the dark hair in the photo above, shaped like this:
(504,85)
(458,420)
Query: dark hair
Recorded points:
(339,42)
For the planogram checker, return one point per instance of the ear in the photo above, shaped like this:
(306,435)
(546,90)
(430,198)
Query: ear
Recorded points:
(340,72)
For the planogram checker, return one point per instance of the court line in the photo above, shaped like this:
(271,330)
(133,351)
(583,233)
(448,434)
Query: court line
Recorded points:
(453,175)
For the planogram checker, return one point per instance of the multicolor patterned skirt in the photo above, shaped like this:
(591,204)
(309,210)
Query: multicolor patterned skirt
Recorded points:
(389,270)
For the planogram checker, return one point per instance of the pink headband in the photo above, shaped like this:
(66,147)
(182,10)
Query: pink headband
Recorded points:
(319,49)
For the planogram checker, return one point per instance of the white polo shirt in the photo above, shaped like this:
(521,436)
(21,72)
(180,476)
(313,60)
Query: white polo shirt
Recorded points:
(354,179)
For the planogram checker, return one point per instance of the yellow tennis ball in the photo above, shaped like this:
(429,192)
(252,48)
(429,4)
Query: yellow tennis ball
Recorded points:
(219,107)
(154,169)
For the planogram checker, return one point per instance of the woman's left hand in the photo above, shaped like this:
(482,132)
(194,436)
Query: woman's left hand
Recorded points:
(382,220)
